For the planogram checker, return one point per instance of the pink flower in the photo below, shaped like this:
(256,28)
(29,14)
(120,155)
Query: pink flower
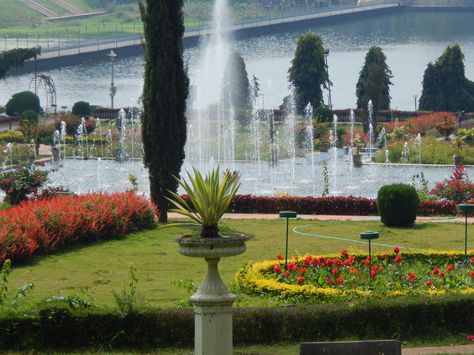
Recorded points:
(470,337)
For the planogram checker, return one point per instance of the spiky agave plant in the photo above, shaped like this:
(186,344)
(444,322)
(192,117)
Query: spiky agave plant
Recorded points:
(209,199)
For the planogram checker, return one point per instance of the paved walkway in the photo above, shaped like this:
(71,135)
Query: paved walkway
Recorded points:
(455,349)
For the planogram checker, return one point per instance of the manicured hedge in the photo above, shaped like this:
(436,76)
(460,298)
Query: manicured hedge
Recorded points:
(338,205)
(50,224)
(58,327)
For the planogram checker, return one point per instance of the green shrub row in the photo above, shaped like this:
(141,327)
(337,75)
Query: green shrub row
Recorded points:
(65,327)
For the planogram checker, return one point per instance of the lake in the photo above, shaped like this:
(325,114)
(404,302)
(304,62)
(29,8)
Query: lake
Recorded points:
(410,40)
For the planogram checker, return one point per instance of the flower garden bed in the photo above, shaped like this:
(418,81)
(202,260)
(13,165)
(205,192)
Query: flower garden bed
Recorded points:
(344,276)
(50,224)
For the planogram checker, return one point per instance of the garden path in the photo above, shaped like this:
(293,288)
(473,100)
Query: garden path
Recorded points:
(454,349)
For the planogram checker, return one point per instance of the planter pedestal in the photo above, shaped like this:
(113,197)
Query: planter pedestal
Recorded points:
(212,302)
(357,160)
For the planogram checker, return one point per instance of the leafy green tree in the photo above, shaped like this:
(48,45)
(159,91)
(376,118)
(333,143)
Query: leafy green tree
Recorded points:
(308,72)
(14,58)
(21,102)
(165,91)
(374,84)
(81,108)
(236,88)
(445,86)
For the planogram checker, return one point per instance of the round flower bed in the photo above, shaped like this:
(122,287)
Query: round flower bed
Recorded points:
(345,276)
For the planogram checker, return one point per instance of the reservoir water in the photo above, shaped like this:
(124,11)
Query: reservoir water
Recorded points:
(410,39)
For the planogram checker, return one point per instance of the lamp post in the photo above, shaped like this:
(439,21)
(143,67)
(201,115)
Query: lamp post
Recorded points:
(38,48)
(415,96)
(369,236)
(113,88)
(326,54)
(466,208)
(287,215)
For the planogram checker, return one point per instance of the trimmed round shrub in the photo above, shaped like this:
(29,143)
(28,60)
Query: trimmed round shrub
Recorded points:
(323,114)
(81,108)
(31,116)
(397,205)
(21,102)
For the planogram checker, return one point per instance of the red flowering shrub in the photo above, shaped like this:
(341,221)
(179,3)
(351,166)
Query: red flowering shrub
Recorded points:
(48,224)
(447,124)
(430,121)
(457,188)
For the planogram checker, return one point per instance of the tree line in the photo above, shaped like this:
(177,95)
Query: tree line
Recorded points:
(445,86)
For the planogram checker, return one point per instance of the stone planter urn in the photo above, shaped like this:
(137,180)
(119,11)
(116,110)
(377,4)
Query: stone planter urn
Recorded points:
(212,302)
(357,160)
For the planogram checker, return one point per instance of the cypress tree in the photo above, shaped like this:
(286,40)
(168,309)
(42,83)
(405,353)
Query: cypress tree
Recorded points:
(165,92)
(374,84)
(308,72)
(236,88)
(445,86)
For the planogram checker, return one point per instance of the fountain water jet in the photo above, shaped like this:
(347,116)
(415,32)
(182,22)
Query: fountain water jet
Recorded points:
(208,113)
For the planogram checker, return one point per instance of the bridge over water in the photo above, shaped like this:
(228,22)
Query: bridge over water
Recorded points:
(64,50)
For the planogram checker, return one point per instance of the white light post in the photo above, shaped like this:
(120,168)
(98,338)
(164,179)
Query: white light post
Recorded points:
(113,88)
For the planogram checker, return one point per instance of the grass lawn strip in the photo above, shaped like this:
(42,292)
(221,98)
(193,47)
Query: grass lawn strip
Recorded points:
(166,278)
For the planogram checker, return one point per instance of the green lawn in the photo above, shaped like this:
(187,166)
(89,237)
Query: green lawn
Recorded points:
(94,271)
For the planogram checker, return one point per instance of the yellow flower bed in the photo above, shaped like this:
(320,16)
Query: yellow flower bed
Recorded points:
(258,279)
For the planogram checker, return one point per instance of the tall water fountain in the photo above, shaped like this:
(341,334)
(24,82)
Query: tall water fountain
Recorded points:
(209,117)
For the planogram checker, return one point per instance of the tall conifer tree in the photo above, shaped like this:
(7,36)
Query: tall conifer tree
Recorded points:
(165,92)
(445,86)
(374,84)
(308,72)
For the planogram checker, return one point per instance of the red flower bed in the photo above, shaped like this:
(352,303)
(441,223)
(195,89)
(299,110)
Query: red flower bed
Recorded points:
(46,225)
(337,205)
